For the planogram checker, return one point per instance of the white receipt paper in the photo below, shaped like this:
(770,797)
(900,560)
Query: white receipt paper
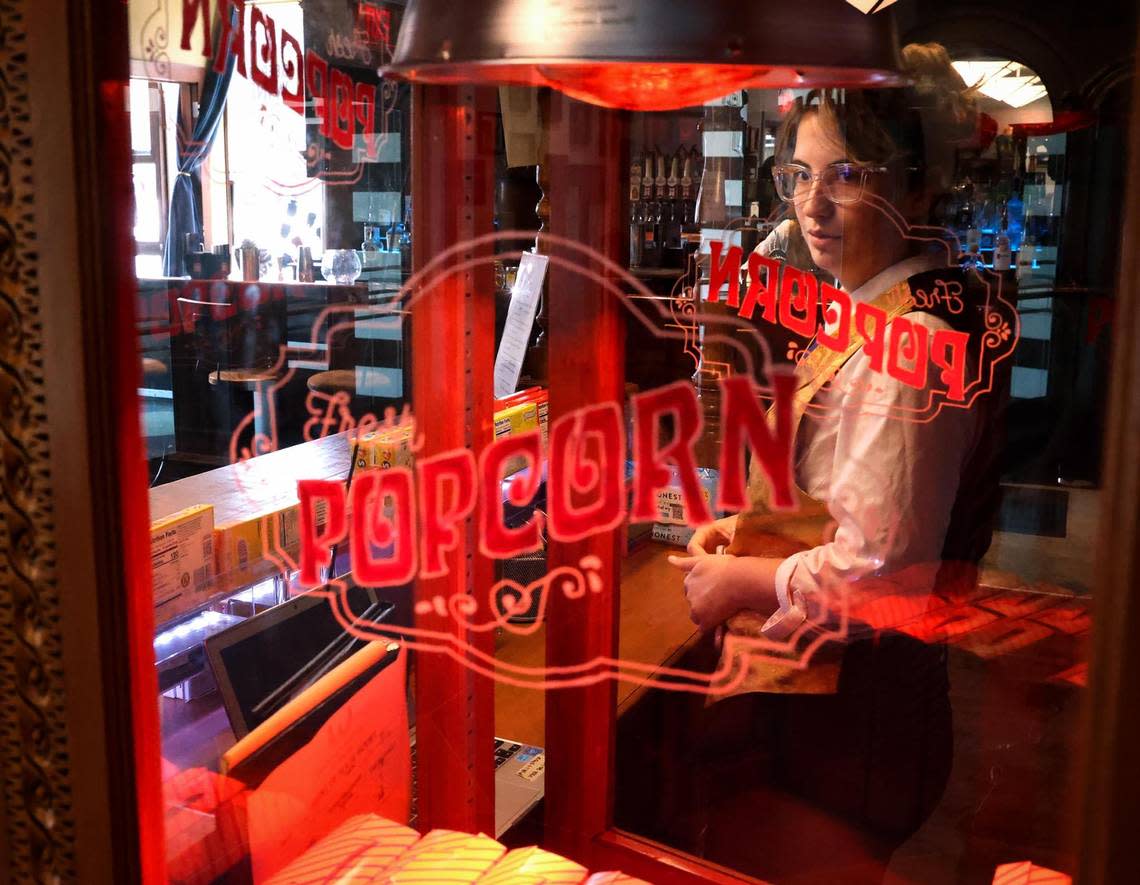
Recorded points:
(520,320)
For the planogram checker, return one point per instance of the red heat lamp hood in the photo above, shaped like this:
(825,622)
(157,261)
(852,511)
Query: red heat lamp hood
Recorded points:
(646,55)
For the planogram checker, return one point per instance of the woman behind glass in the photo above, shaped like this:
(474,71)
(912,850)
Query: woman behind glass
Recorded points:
(865,746)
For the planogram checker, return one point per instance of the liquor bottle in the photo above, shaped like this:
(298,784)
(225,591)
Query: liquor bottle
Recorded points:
(1003,256)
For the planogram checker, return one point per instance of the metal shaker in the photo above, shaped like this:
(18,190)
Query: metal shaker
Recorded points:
(249,260)
(305,265)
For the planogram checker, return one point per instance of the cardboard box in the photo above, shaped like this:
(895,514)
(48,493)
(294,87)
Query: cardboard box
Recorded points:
(239,551)
(182,561)
(678,535)
(393,448)
(290,520)
(670,507)
(390,447)
(517,418)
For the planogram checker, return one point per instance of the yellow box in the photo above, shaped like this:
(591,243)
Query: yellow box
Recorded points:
(544,419)
(239,551)
(516,419)
(290,520)
(365,447)
(393,448)
(182,561)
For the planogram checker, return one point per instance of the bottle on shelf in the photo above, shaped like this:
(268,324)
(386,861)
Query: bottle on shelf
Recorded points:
(1003,255)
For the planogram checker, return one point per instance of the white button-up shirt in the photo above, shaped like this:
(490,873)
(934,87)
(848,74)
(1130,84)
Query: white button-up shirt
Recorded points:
(889,484)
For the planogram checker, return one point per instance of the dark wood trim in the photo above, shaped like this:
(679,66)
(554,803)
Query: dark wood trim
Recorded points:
(453,326)
(81,746)
(588,153)
(1112,764)
(118,480)
(658,863)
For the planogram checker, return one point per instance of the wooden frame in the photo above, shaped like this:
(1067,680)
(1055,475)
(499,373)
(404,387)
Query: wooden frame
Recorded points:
(452,353)
(1111,763)
(81,790)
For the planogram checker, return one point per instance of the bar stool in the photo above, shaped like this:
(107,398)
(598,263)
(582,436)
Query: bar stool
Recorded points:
(243,346)
(333,381)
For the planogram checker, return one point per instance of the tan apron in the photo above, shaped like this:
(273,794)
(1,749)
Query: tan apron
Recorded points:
(760,531)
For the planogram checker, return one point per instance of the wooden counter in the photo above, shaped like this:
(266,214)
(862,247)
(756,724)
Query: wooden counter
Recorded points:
(654,619)
(255,487)
(654,627)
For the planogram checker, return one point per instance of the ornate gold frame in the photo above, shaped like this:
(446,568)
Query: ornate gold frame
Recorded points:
(37,801)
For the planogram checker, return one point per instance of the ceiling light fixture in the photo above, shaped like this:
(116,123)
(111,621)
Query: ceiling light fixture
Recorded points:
(648,55)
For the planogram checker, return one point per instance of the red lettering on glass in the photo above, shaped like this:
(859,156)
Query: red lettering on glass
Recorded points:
(496,540)
(375,22)
(366,116)
(372,527)
(722,271)
(263,71)
(837,305)
(341,115)
(190,13)
(233,35)
(574,474)
(798,293)
(909,342)
(315,542)
(771,447)
(871,322)
(292,72)
(948,352)
(447,491)
(764,293)
(651,460)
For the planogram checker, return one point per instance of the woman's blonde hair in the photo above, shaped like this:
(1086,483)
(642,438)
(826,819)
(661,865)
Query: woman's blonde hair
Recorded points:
(914,130)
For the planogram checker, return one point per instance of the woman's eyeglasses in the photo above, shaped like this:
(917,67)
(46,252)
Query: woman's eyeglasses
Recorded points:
(842,182)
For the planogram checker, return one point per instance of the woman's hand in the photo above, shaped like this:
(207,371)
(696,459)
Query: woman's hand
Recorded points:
(717,587)
(712,535)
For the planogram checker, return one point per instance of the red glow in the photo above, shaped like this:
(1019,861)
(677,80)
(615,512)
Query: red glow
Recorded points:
(641,86)
(649,87)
